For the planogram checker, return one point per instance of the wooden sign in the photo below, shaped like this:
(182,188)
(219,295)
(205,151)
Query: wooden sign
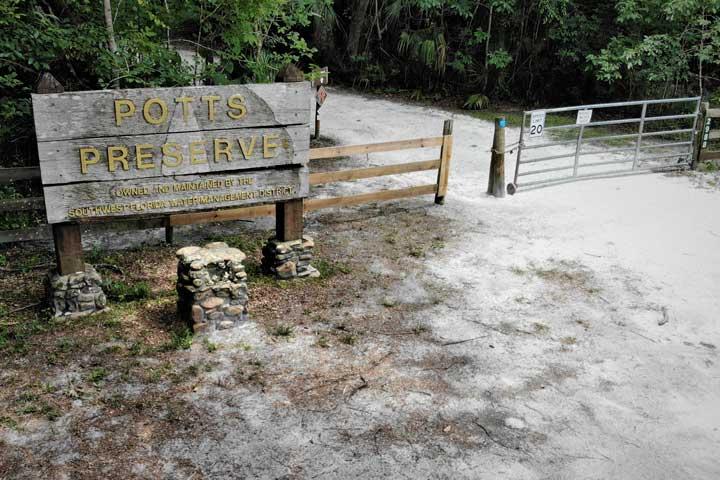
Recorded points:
(150,151)
(321,96)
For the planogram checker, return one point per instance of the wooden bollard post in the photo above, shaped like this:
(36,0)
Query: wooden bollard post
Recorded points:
(496,180)
(66,236)
(289,213)
(445,156)
(317,123)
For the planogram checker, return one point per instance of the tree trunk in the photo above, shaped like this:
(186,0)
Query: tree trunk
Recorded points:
(109,26)
(487,51)
(112,45)
(357,22)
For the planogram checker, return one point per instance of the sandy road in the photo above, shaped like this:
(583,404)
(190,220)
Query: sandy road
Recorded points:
(597,265)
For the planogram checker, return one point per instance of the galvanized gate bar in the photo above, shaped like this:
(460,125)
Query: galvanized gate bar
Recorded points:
(634,150)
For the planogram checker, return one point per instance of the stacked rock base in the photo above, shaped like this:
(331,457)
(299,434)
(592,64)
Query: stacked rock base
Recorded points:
(76,294)
(212,287)
(291,259)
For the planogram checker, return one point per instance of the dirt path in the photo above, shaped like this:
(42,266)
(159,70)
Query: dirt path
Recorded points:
(569,284)
(563,333)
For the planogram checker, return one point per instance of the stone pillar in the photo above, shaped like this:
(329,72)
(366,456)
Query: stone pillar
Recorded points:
(212,287)
(290,259)
(76,294)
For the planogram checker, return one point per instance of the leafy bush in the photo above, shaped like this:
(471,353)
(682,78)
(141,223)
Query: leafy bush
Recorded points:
(477,101)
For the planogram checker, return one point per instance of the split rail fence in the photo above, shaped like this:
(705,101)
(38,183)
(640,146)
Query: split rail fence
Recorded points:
(439,189)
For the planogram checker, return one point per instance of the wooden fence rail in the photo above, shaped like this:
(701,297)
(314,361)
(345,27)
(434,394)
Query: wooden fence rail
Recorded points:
(9,175)
(441,164)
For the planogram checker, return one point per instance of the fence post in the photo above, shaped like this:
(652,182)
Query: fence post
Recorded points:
(704,127)
(66,236)
(445,156)
(289,213)
(169,232)
(496,179)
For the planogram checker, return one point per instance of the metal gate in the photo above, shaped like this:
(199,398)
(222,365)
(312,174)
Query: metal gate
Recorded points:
(604,140)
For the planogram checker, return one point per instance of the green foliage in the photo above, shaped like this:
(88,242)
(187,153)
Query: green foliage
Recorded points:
(97,375)
(16,219)
(476,101)
(329,269)
(181,339)
(283,330)
(123,292)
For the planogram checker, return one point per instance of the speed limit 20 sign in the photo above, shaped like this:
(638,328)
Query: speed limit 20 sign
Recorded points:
(537,124)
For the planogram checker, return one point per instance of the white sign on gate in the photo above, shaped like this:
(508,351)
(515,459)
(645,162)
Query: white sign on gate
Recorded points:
(537,124)
(583,117)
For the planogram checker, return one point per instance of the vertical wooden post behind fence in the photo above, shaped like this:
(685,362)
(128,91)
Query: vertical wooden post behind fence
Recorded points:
(445,157)
(289,213)
(66,236)
(317,116)
(496,180)
(700,135)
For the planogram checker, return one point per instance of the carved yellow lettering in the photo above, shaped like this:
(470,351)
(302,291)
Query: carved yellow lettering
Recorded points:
(211,100)
(185,101)
(249,150)
(85,159)
(225,149)
(117,154)
(267,146)
(195,151)
(147,111)
(236,102)
(140,155)
(175,153)
(128,112)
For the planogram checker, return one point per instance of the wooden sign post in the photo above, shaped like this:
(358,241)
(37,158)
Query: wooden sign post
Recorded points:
(113,154)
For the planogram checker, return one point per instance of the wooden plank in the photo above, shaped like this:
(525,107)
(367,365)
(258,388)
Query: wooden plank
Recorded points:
(714,135)
(360,173)
(41,232)
(330,152)
(44,232)
(266,147)
(68,248)
(713,112)
(9,175)
(289,220)
(19,204)
(222,215)
(709,155)
(312,204)
(92,114)
(84,201)
(445,157)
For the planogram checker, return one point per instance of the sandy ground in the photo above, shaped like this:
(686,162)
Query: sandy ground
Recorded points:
(563,333)
(624,397)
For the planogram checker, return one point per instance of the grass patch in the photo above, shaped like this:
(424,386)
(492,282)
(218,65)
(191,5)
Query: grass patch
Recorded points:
(349,339)
(245,243)
(209,346)
(282,330)
(97,375)
(123,292)
(329,269)
(181,339)
(322,342)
